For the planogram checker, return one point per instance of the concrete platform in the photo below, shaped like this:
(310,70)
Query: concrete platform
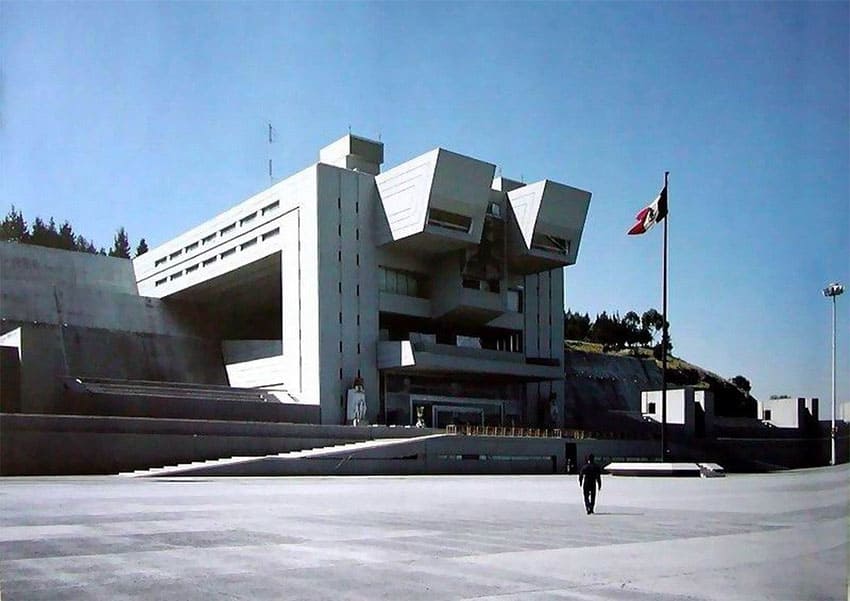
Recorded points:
(646,468)
(780,537)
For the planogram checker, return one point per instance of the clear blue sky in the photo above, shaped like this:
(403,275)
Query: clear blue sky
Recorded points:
(153,116)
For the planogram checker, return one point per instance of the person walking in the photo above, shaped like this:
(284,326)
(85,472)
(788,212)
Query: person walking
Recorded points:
(589,477)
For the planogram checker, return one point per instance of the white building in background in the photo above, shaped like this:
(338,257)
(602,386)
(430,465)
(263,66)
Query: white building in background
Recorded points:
(789,412)
(433,285)
(692,408)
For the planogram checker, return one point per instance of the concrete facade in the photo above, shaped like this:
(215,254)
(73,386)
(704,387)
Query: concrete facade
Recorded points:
(788,412)
(433,285)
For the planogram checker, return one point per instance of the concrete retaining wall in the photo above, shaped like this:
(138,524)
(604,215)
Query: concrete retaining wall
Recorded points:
(53,444)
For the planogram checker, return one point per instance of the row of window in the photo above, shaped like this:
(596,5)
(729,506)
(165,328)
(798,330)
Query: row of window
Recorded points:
(397,281)
(223,255)
(270,208)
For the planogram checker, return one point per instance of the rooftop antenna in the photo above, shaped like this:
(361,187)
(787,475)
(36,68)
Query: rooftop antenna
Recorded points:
(349,129)
(272,133)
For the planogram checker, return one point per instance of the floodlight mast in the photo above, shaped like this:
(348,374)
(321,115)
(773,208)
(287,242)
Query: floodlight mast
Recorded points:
(833,290)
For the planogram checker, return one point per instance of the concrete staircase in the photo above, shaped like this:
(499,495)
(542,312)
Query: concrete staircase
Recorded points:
(174,390)
(285,463)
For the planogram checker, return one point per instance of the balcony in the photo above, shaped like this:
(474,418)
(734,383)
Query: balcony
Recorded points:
(404,356)
(459,304)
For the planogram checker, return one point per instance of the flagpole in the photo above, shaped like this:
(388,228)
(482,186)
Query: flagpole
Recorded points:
(664,331)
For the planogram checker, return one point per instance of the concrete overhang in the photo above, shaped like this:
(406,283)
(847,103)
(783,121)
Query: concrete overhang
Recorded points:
(465,305)
(404,356)
(546,225)
(435,202)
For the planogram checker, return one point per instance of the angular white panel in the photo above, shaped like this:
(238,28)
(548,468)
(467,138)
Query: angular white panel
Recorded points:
(525,203)
(404,192)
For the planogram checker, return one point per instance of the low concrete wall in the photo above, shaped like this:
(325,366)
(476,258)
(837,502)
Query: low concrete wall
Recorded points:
(64,444)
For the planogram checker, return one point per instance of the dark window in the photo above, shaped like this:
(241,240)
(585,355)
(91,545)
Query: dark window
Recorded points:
(449,220)
(650,407)
(551,244)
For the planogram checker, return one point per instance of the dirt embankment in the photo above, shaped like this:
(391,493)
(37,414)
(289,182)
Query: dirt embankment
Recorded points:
(598,383)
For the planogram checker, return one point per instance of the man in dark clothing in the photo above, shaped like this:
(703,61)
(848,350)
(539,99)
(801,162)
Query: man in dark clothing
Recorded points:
(588,477)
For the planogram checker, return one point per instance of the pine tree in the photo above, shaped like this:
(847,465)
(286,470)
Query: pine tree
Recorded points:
(121,245)
(67,240)
(142,248)
(13,227)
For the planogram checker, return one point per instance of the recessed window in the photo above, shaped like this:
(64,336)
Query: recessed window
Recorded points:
(248,219)
(227,229)
(515,300)
(161,282)
(551,244)
(269,208)
(208,239)
(192,247)
(248,244)
(209,261)
(228,252)
(160,262)
(192,268)
(271,234)
(449,220)
(397,281)
(175,254)
(177,275)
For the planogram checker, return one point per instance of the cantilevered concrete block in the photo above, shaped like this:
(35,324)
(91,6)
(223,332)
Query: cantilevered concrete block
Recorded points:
(548,220)
(436,202)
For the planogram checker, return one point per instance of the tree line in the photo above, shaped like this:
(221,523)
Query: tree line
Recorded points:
(615,333)
(632,331)
(14,228)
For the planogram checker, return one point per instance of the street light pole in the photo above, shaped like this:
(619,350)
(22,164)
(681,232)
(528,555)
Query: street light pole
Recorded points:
(832,291)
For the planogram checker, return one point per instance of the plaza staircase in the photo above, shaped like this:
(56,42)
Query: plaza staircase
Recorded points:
(345,458)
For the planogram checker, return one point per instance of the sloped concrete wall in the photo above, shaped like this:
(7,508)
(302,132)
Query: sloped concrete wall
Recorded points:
(81,316)
(596,383)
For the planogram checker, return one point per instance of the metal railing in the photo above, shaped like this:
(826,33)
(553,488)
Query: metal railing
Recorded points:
(513,431)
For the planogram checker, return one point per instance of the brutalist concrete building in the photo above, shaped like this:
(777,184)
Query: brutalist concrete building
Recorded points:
(432,287)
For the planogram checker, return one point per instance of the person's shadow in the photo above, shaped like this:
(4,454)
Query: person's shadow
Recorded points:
(615,513)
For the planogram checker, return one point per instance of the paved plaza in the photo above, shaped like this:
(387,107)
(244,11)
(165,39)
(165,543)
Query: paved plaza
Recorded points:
(508,538)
